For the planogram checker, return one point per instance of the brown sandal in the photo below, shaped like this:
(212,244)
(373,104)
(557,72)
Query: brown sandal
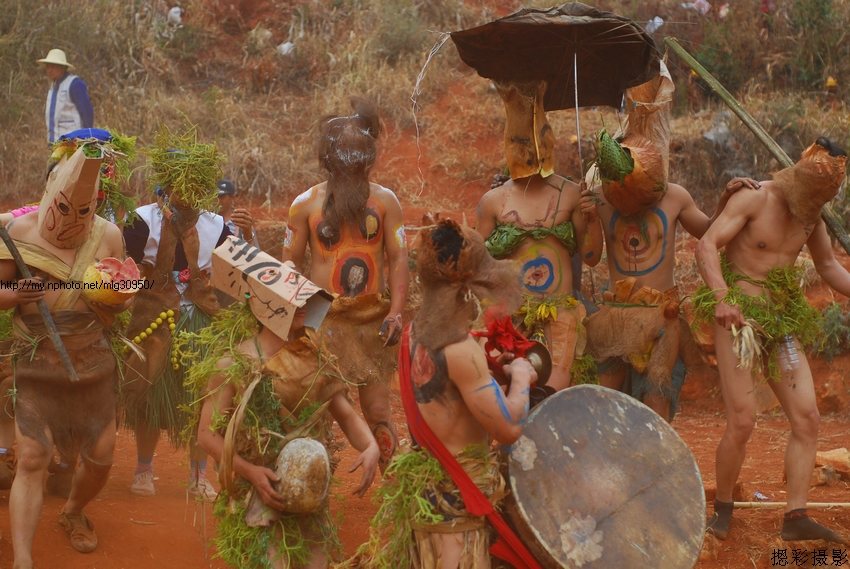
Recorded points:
(80,530)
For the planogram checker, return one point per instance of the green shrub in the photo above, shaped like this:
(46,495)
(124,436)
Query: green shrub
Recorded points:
(836,327)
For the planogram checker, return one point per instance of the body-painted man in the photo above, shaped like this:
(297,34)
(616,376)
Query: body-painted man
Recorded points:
(290,388)
(753,282)
(355,233)
(59,242)
(641,251)
(535,219)
(447,385)
(637,330)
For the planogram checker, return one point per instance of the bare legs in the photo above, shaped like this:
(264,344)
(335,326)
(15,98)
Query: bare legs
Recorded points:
(27,495)
(375,405)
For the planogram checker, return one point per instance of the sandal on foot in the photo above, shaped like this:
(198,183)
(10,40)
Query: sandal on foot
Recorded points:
(80,530)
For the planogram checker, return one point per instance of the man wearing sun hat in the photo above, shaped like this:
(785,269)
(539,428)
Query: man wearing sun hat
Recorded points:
(68,105)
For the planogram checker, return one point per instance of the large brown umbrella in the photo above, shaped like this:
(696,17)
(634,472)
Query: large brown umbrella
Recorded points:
(608,53)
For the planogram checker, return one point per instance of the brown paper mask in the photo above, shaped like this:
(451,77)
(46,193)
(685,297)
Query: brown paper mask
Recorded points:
(66,211)
(274,290)
(529,139)
(814,180)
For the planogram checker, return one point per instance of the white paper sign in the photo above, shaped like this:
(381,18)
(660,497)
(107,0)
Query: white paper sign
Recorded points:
(274,290)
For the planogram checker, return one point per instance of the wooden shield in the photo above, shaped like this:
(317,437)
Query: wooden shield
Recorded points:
(600,480)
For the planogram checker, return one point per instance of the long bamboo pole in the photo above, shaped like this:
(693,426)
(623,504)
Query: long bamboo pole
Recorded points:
(832,219)
(777,505)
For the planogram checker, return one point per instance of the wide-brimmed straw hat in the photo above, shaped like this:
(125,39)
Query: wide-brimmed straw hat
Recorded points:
(56,57)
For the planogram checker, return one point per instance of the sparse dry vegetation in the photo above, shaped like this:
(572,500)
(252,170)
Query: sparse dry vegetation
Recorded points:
(221,72)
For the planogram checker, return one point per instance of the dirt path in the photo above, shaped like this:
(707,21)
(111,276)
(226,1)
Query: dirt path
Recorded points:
(169,531)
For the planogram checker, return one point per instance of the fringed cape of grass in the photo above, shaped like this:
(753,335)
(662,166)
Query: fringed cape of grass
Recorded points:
(190,169)
(783,311)
(167,397)
(118,154)
(403,506)
(199,352)
(239,545)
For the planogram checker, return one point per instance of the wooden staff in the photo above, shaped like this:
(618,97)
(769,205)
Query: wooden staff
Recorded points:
(778,505)
(49,324)
(832,219)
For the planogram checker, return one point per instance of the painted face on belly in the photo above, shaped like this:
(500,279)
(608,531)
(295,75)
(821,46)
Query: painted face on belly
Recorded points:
(354,274)
(639,243)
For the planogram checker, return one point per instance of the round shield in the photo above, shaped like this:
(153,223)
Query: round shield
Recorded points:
(600,480)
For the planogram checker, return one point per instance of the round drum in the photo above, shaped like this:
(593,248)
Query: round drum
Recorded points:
(600,480)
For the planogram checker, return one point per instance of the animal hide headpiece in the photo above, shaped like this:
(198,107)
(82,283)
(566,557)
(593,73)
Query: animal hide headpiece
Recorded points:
(529,139)
(459,277)
(66,211)
(814,180)
(347,150)
(633,166)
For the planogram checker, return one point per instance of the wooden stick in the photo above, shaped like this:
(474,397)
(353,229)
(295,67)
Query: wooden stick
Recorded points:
(49,324)
(777,505)
(832,219)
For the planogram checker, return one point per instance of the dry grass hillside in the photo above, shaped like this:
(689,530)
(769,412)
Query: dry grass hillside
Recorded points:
(220,70)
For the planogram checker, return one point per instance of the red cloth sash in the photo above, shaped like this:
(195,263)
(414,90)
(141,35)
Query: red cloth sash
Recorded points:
(508,546)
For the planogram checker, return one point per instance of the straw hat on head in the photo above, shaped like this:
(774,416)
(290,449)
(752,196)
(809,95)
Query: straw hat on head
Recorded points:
(56,57)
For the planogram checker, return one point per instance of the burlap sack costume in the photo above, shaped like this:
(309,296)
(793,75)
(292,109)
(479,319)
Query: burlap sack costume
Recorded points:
(152,389)
(76,413)
(640,326)
(350,333)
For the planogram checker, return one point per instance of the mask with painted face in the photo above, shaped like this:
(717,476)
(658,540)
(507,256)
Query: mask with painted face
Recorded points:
(67,209)
(814,180)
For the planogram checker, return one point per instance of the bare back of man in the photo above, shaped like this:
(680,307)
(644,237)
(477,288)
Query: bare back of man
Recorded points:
(349,261)
(760,234)
(464,406)
(35,453)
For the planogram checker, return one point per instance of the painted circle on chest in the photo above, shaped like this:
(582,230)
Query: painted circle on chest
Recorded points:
(639,241)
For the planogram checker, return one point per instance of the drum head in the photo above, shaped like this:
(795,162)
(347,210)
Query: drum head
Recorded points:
(603,481)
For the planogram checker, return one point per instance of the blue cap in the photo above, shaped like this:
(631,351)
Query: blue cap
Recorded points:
(83,133)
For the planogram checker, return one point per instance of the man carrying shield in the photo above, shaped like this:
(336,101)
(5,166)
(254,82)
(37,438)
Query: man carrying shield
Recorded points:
(435,500)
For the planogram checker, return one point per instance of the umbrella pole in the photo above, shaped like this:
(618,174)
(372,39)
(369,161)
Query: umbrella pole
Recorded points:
(832,219)
(578,123)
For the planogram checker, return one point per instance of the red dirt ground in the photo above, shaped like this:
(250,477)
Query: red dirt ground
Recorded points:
(168,531)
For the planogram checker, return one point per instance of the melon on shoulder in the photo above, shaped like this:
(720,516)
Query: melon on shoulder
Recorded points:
(119,280)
